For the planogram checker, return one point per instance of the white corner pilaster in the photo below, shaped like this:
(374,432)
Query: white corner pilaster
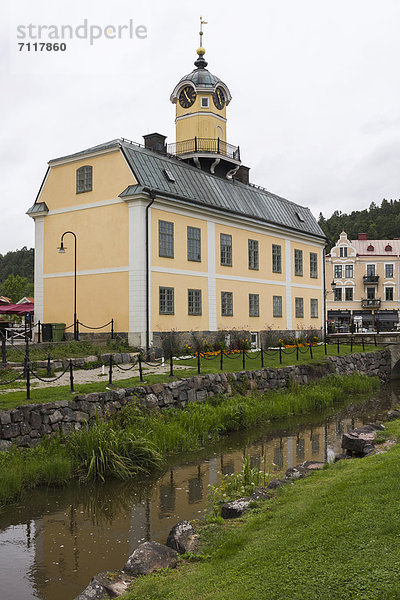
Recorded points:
(212,285)
(137,271)
(288,272)
(38,276)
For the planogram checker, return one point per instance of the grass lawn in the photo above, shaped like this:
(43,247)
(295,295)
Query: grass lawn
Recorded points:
(13,399)
(332,536)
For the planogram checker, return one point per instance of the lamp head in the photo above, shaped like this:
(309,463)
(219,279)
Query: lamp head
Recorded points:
(61,249)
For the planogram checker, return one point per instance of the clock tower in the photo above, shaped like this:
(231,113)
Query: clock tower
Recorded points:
(201,99)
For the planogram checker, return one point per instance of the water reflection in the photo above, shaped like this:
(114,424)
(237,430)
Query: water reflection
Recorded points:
(51,544)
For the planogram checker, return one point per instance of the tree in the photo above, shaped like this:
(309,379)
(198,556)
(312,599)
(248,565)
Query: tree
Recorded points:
(16,287)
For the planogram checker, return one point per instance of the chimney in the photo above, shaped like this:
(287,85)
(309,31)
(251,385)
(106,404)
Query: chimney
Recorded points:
(155,142)
(242,174)
(362,236)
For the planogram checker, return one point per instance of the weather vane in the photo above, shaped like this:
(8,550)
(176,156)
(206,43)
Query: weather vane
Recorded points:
(201,30)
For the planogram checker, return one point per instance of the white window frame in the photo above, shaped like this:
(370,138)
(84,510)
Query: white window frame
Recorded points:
(393,266)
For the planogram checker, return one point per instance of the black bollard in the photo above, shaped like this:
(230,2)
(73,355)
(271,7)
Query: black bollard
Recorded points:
(71,377)
(112,331)
(171,366)
(198,362)
(48,366)
(39,332)
(280,354)
(363,345)
(262,357)
(244,359)
(3,350)
(326,348)
(140,368)
(297,351)
(338,347)
(311,354)
(221,365)
(28,380)
(351,343)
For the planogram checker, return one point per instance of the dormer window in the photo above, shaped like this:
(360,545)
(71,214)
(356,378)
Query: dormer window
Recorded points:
(388,248)
(84,179)
(370,248)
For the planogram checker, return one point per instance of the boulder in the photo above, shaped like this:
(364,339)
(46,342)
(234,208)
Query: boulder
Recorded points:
(150,557)
(275,484)
(393,414)
(105,585)
(235,509)
(182,537)
(260,493)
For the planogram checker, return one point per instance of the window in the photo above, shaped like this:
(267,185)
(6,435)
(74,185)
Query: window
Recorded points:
(388,270)
(194,302)
(349,271)
(313,265)
(299,308)
(169,176)
(194,244)
(338,294)
(370,270)
(254,305)
(204,102)
(389,294)
(338,272)
(348,294)
(254,339)
(314,308)
(277,306)
(388,248)
(300,217)
(84,177)
(166,298)
(227,304)
(370,293)
(343,252)
(276,258)
(370,248)
(298,263)
(226,249)
(166,239)
(253,254)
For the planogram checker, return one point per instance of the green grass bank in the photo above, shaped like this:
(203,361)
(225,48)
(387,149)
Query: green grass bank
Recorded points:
(332,536)
(136,440)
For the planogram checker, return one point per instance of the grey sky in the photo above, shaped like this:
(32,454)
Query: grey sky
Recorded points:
(315,88)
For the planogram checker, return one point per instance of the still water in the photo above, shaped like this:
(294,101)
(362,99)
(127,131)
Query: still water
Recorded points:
(53,542)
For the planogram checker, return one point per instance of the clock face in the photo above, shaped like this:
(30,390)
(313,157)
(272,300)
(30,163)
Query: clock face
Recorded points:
(187,96)
(219,98)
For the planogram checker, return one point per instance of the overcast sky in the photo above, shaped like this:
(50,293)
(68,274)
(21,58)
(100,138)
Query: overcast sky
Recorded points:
(315,87)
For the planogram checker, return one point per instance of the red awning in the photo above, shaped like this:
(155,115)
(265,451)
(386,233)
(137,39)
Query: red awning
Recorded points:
(17,309)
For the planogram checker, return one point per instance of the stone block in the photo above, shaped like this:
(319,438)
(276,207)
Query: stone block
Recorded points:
(81,417)
(5,445)
(17,415)
(55,417)
(35,419)
(25,428)
(10,431)
(150,557)
(5,417)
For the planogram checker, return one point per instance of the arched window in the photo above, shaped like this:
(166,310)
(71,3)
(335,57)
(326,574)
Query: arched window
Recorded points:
(370,248)
(388,248)
(84,179)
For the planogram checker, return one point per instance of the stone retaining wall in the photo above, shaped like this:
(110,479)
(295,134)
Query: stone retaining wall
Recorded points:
(27,424)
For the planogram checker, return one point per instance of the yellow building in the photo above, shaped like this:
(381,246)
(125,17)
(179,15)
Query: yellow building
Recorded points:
(174,237)
(365,277)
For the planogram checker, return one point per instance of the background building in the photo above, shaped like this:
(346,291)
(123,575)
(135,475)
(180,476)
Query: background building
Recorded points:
(175,237)
(366,277)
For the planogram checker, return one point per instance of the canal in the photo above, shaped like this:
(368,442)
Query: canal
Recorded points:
(53,541)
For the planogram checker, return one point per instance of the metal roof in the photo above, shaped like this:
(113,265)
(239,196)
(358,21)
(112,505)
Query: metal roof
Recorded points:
(202,188)
(199,187)
(379,247)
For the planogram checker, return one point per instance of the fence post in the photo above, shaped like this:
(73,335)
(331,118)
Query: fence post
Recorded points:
(140,368)
(326,348)
(48,366)
(338,346)
(26,359)
(262,356)
(110,370)
(112,331)
(221,366)
(280,354)
(311,354)
(244,359)
(39,332)
(198,362)
(375,339)
(77,330)
(363,345)
(297,351)
(71,376)
(3,350)
(28,380)
(351,343)
(171,366)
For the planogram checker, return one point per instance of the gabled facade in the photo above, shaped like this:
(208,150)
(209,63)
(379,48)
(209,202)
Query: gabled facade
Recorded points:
(366,277)
(174,237)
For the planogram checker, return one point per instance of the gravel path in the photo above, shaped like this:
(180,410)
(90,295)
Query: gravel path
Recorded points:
(96,375)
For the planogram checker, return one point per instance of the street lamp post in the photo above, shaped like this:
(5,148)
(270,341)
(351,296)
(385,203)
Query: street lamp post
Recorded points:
(326,292)
(62,249)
